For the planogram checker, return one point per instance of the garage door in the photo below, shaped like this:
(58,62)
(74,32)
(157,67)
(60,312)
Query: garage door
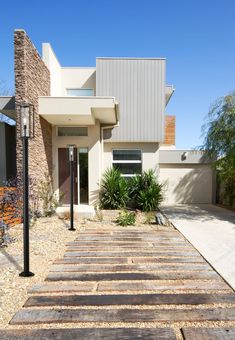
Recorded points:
(186,184)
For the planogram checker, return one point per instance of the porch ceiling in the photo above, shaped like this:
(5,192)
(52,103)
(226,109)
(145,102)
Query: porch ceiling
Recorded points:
(78,110)
(7,106)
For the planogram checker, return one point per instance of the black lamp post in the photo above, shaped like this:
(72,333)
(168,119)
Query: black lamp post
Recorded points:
(71,148)
(26,132)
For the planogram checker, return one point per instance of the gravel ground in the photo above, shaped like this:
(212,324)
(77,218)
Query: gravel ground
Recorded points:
(48,237)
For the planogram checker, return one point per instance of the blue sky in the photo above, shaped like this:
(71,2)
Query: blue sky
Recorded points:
(197,37)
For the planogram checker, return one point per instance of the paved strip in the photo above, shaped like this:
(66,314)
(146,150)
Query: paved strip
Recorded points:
(38,316)
(124,299)
(89,333)
(208,333)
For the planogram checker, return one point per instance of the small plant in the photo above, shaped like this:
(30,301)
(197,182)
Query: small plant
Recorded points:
(126,218)
(114,191)
(149,217)
(49,200)
(99,213)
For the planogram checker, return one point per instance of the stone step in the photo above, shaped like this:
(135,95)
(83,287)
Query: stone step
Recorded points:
(48,316)
(89,334)
(208,333)
(129,299)
(128,267)
(129,253)
(130,276)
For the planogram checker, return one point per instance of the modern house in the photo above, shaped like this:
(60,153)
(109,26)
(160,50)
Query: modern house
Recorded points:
(115,114)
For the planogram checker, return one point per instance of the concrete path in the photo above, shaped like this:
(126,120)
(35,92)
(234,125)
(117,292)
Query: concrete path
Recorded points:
(212,232)
(127,283)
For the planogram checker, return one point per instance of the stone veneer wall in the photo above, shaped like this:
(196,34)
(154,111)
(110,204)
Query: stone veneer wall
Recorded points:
(169,130)
(32,79)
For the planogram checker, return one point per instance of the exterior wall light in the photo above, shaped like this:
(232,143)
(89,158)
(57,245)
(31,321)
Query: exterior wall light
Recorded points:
(71,149)
(26,131)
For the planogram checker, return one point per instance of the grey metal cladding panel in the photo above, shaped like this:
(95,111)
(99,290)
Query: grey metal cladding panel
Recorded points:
(139,87)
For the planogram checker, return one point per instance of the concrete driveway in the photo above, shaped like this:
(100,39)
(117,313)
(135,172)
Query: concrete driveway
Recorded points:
(212,232)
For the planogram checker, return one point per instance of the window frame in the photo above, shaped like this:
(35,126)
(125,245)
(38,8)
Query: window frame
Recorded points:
(80,88)
(128,161)
(69,126)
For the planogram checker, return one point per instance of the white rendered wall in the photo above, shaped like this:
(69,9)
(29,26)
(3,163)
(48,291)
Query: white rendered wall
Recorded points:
(54,67)
(63,78)
(150,154)
(192,183)
(92,142)
(78,77)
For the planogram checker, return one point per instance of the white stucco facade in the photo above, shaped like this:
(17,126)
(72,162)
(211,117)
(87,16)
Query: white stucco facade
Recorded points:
(140,127)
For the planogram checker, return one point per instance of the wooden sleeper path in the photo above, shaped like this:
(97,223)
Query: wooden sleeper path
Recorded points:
(128,283)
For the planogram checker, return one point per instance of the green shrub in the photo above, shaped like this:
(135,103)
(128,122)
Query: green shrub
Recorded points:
(126,218)
(114,191)
(145,192)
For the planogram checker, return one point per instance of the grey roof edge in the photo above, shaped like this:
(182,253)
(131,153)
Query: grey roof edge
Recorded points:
(130,58)
(185,156)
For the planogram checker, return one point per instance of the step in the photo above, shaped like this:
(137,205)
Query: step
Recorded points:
(109,286)
(130,276)
(129,299)
(208,333)
(129,253)
(89,334)
(37,316)
(120,260)
(163,285)
(128,267)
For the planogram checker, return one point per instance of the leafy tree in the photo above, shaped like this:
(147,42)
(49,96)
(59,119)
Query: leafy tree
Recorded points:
(219,142)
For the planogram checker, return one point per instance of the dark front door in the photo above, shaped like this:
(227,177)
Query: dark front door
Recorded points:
(64,177)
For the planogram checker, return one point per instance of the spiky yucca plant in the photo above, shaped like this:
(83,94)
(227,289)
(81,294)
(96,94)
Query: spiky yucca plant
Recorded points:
(113,191)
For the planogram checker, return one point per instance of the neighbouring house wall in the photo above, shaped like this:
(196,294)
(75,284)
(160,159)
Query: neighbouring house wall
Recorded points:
(150,154)
(92,142)
(187,183)
(139,87)
(7,153)
(3,154)
(32,79)
(10,151)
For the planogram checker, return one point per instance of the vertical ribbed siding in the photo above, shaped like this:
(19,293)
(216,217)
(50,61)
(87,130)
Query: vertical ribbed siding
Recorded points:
(139,87)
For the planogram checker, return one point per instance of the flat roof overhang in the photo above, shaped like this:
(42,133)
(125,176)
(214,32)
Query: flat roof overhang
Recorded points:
(169,90)
(79,110)
(7,106)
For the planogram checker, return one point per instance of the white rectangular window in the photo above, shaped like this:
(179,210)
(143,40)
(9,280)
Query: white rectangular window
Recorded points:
(72,131)
(129,162)
(80,92)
